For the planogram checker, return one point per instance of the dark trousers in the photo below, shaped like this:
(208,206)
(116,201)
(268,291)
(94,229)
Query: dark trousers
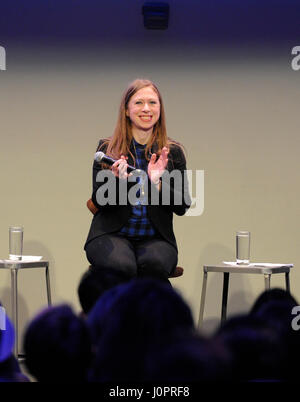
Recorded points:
(153,257)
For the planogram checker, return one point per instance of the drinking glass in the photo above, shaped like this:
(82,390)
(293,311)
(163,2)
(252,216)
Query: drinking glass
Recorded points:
(243,247)
(15,242)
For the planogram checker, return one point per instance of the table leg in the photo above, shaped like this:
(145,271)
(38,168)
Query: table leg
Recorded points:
(14,304)
(224,296)
(267,281)
(287,281)
(48,286)
(202,302)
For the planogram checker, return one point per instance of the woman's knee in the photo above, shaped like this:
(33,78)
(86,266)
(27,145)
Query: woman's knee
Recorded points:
(117,259)
(126,267)
(156,266)
(160,257)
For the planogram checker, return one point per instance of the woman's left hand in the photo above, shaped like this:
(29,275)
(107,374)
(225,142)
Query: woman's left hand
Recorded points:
(156,169)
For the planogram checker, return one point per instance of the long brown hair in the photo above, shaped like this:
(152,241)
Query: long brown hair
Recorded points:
(119,143)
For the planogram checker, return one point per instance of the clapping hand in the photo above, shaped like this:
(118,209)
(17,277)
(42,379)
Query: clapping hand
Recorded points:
(156,169)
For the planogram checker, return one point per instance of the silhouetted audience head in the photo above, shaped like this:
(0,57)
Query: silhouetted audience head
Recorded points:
(57,346)
(94,282)
(263,344)
(189,358)
(132,320)
(272,295)
(276,309)
(256,350)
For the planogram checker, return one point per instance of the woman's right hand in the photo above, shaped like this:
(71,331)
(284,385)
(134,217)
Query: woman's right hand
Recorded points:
(119,168)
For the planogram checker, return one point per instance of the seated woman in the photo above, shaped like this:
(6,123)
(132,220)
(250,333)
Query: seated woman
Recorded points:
(135,234)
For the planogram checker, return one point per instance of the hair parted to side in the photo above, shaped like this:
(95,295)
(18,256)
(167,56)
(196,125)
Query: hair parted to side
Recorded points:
(119,143)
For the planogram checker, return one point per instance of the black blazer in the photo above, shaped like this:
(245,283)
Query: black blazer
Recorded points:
(111,218)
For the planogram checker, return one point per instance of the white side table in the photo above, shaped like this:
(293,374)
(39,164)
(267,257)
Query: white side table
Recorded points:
(14,267)
(227,269)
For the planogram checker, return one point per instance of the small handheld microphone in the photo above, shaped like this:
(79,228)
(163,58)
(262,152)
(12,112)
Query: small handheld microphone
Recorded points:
(100,157)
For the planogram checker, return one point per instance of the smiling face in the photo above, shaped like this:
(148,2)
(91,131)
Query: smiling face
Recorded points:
(143,110)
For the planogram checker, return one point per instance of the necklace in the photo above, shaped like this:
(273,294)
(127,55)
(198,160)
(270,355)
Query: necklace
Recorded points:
(141,173)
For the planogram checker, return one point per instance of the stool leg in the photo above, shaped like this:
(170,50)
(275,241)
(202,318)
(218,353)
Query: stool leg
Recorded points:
(224,296)
(267,281)
(202,302)
(287,281)
(48,286)
(14,303)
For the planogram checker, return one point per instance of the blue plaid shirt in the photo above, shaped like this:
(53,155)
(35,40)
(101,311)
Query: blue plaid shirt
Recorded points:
(138,225)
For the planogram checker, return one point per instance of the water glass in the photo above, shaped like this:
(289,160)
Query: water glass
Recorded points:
(15,242)
(243,247)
